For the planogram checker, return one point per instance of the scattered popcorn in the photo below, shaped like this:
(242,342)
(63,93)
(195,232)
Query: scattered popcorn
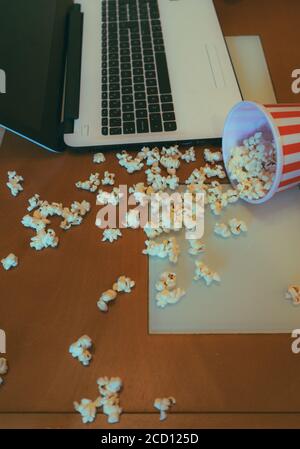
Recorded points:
(81,208)
(91,184)
(141,192)
(292,293)
(237,226)
(87,409)
(164,405)
(203,272)
(108,179)
(14,183)
(197,177)
(189,155)
(99,158)
(166,248)
(113,197)
(48,210)
(35,223)
(109,390)
(129,162)
(123,284)
(9,262)
(105,298)
(132,219)
(171,163)
(153,231)
(196,247)
(80,350)
(44,239)
(210,156)
(222,230)
(151,156)
(165,297)
(214,171)
(252,166)
(3,369)
(172,182)
(167,281)
(111,235)
(34,202)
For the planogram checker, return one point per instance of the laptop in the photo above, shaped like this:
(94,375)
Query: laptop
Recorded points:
(100,73)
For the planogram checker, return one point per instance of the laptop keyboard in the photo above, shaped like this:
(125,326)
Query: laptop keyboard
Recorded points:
(136,91)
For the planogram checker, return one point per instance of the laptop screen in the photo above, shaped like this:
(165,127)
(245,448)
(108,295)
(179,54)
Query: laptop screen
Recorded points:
(24,57)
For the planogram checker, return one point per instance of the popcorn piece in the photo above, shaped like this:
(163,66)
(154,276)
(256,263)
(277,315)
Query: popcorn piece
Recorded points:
(172,182)
(151,156)
(141,192)
(167,281)
(45,210)
(204,273)
(98,158)
(164,405)
(108,179)
(9,262)
(87,409)
(3,369)
(197,177)
(111,235)
(34,202)
(80,208)
(123,284)
(237,226)
(80,350)
(105,298)
(214,171)
(35,223)
(189,155)
(129,162)
(91,184)
(109,389)
(165,297)
(166,248)
(74,216)
(153,231)
(293,293)
(44,239)
(210,156)
(222,230)
(253,165)
(132,219)
(196,247)
(113,197)
(14,183)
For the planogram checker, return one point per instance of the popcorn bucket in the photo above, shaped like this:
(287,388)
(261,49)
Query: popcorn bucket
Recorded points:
(279,123)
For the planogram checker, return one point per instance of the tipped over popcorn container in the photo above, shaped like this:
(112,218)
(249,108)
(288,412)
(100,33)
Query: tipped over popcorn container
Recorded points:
(261,149)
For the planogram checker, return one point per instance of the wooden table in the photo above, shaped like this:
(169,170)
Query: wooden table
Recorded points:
(50,299)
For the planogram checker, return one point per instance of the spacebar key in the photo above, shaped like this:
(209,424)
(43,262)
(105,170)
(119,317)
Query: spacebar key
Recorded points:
(163,74)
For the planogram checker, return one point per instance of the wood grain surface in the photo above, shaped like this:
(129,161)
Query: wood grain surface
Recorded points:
(50,299)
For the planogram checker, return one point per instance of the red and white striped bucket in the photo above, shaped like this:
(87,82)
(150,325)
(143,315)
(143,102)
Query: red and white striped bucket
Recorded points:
(278,122)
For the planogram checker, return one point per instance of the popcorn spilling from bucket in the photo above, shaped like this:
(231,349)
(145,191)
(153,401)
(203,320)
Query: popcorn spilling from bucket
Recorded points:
(252,166)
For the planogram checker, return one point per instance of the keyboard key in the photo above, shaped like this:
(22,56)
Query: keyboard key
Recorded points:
(149,67)
(126,90)
(104,121)
(113,79)
(152,91)
(104,95)
(113,71)
(170,126)
(104,131)
(127,99)
(155,123)
(125,52)
(150,74)
(138,79)
(168,116)
(142,125)
(140,105)
(115,131)
(125,66)
(115,122)
(141,113)
(127,107)
(153,99)
(114,104)
(137,72)
(104,104)
(136,56)
(149,59)
(125,59)
(139,95)
(115,113)
(137,64)
(151,82)
(163,74)
(126,82)
(115,95)
(129,128)
(104,112)
(154,108)
(166,98)
(136,49)
(125,73)
(166,107)
(128,117)
(114,86)
(139,87)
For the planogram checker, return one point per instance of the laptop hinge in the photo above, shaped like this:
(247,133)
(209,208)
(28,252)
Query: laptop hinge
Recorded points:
(73,68)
